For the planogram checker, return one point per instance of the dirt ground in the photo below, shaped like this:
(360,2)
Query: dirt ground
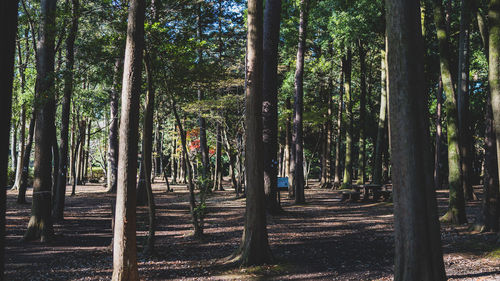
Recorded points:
(325,239)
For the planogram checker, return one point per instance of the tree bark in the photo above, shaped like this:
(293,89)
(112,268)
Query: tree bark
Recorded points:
(362,113)
(298,136)
(439,135)
(347,180)
(456,209)
(338,144)
(8,12)
(494,68)
(270,102)
(381,128)
(23,185)
(58,208)
(218,160)
(418,254)
(113,131)
(254,248)
(124,246)
(40,224)
(22,140)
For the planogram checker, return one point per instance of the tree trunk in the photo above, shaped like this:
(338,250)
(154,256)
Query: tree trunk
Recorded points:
(40,224)
(291,152)
(194,210)
(298,135)
(113,131)
(8,12)
(23,185)
(338,144)
(347,180)
(58,208)
(124,246)
(271,32)
(381,129)
(362,113)
(456,209)
(418,254)
(174,162)
(13,148)
(87,163)
(439,134)
(494,68)
(22,140)
(205,158)
(463,100)
(147,153)
(218,160)
(254,248)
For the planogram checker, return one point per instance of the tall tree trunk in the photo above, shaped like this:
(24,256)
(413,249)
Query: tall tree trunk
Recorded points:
(418,254)
(195,212)
(40,224)
(23,185)
(174,162)
(58,208)
(218,160)
(347,180)
(159,148)
(291,151)
(439,135)
(13,148)
(22,140)
(124,246)
(381,128)
(87,163)
(270,102)
(362,113)
(494,68)
(147,152)
(254,248)
(338,144)
(456,209)
(113,130)
(298,136)
(8,12)
(463,100)
(205,158)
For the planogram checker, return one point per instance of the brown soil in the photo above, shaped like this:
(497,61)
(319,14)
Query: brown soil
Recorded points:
(324,239)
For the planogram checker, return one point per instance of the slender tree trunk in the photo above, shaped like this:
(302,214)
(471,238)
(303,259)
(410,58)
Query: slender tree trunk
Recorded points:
(8,12)
(418,254)
(87,163)
(13,148)
(439,135)
(22,140)
(254,248)
(58,208)
(381,129)
(124,246)
(362,113)
(205,158)
(23,185)
(147,153)
(463,100)
(456,209)
(113,131)
(291,153)
(298,136)
(338,144)
(174,162)
(218,160)
(494,68)
(347,180)
(270,102)
(195,212)
(40,224)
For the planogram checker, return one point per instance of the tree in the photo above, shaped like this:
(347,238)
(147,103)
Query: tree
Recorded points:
(124,239)
(418,254)
(298,134)
(270,102)
(456,208)
(381,129)
(113,130)
(254,248)
(57,211)
(494,68)
(40,224)
(8,13)
(347,63)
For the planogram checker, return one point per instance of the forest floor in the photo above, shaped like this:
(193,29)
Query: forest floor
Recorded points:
(324,239)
